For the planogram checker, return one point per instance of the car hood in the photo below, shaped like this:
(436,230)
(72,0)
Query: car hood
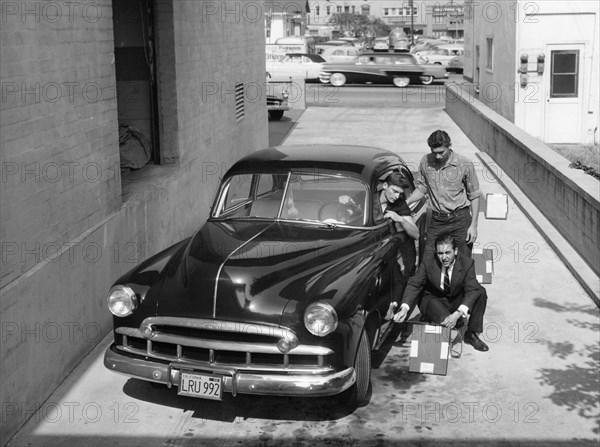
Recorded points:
(258,271)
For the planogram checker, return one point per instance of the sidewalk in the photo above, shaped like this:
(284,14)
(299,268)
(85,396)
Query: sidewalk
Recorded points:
(538,385)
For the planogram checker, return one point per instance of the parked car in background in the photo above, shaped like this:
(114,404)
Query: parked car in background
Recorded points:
(297,65)
(455,65)
(400,69)
(401,44)
(277,97)
(381,44)
(282,291)
(340,54)
(441,54)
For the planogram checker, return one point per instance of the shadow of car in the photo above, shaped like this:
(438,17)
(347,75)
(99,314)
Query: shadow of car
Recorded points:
(399,69)
(282,291)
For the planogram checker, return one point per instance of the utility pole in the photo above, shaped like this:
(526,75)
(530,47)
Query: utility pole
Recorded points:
(412,23)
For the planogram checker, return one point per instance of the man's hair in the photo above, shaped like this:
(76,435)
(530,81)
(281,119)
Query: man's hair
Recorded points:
(397,179)
(439,138)
(445,239)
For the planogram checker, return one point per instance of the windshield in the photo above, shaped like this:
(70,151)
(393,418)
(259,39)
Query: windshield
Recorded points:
(298,196)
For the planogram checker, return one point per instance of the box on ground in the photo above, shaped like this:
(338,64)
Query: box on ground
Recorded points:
(484,264)
(429,349)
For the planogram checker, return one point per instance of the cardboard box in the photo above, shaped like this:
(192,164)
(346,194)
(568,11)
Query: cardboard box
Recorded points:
(484,264)
(496,206)
(429,349)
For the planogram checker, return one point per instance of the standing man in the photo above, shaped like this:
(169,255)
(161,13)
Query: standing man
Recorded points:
(450,182)
(450,292)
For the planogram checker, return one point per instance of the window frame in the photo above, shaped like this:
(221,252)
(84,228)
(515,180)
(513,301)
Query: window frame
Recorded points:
(575,94)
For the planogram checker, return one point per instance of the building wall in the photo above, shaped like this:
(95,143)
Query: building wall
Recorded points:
(496,21)
(533,28)
(578,24)
(64,242)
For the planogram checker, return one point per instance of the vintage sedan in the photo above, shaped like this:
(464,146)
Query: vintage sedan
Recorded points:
(297,65)
(400,69)
(283,291)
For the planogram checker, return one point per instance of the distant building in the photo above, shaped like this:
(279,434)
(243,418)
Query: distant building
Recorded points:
(285,18)
(536,64)
(189,77)
(430,18)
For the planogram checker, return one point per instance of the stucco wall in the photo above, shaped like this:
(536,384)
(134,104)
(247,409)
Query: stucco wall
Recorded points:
(569,198)
(53,308)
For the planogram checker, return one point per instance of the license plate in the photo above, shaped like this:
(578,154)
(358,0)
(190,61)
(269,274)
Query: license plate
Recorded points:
(205,386)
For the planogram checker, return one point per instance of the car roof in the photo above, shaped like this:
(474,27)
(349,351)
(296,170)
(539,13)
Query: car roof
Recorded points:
(361,161)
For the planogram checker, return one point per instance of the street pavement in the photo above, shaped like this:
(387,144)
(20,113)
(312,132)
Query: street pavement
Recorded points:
(538,384)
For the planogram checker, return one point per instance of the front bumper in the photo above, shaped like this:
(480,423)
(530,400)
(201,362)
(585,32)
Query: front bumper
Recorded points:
(234,381)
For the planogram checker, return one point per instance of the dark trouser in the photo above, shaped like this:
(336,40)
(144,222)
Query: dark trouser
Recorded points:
(435,309)
(456,224)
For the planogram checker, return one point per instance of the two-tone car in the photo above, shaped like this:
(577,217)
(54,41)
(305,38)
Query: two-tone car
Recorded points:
(282,291)
(400,69)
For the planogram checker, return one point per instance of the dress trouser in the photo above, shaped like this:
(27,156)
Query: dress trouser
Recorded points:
(436,309)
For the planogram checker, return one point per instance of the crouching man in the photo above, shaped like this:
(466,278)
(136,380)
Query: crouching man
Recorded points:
(450,292)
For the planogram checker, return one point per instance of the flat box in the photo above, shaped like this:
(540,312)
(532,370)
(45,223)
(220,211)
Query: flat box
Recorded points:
(496,206)
(429,349)
(484,264)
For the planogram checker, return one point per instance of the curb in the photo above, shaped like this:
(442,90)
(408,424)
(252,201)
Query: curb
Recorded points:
(572,260)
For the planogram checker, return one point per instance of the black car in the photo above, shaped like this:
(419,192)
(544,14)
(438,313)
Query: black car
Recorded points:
(400,69)
(283,291)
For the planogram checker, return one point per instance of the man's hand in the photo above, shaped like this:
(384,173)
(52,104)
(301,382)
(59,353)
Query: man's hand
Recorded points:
(450,320)
(401,315)
(348,201)
(471,234)
(393,216)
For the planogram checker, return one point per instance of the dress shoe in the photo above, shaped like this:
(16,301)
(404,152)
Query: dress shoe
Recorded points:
(475,341)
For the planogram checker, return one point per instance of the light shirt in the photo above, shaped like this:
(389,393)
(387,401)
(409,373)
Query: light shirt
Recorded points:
(453,185)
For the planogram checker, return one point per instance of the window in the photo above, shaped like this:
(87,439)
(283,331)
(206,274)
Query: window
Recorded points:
(564,74)
(489,63)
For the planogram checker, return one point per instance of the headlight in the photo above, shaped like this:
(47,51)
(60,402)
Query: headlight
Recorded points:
(320,319)
(121,301)
(285,94)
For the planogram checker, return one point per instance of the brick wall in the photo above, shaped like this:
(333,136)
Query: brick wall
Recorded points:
(90,231)
(59,140)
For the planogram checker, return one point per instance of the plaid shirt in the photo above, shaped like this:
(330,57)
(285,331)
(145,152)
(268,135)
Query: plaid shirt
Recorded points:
(453,185)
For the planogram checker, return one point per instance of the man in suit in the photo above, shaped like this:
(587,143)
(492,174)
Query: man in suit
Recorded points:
(450,291)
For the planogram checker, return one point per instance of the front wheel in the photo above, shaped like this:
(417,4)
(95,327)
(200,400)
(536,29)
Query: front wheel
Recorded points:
(357,393)
(401,81)
(426,80)
(337,79)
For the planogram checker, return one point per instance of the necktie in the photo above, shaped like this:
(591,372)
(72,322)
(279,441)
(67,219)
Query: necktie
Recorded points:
(446,281)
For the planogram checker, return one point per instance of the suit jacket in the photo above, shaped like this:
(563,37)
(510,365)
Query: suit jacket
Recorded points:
(464,288)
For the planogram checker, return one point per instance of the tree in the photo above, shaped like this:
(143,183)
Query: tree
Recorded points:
(358,25)
(350,24)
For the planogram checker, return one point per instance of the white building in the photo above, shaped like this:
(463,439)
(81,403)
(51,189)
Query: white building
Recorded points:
(554,94)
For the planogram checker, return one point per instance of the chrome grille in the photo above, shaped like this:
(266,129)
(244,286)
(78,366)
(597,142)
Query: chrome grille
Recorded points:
(221,343)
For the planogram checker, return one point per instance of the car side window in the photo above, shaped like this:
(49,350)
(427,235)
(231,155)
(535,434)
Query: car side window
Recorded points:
(237,191)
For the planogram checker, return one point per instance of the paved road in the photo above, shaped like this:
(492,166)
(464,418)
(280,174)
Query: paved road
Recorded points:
(377,96)
(538,385)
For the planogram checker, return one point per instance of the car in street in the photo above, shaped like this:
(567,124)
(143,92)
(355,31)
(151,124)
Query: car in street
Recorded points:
(455,65)
(297,65)
(400,69)
(381,44)
(282,291)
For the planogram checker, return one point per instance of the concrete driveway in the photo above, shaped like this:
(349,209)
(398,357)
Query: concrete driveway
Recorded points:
(538,385)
